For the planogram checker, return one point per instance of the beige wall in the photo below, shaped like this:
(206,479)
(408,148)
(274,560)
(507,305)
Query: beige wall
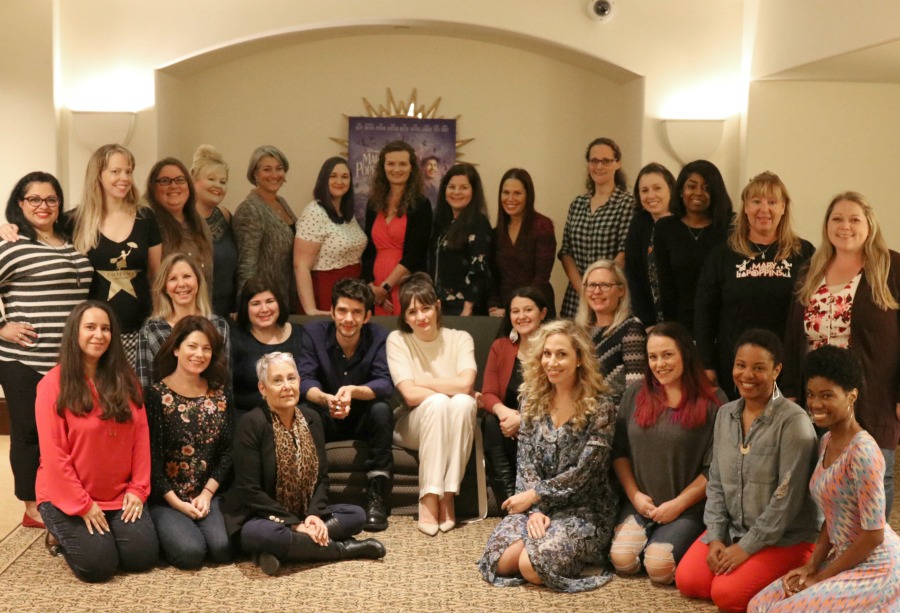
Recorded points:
(824,138)
(535,112)
(28,119)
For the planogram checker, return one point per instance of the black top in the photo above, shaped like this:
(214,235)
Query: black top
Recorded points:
(256,474)
(735,294)
(120,271)
(245,352)
(462,275)
(680,254)
(225,263)
(511,398)
(639,257)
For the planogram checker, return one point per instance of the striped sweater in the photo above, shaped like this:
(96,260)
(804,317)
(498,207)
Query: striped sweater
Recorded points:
(40,285)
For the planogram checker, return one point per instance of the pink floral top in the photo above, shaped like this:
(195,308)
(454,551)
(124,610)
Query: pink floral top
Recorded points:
(826,320)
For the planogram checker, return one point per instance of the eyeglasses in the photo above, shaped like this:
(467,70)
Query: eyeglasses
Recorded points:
(605,162)
(35,201)
(604,288)
(166,181)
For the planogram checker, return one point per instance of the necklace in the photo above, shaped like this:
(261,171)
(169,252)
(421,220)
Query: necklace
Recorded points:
(695,232)
(762,253)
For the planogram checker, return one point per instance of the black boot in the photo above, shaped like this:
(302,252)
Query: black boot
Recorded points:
(303,549)
(376,507)
(502,473)
(366,549)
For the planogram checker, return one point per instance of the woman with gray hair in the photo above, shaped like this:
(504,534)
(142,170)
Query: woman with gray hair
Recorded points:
(604,310)
(264,225)
(278,505)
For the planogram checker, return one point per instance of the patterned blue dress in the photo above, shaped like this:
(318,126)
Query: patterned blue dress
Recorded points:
(569,469)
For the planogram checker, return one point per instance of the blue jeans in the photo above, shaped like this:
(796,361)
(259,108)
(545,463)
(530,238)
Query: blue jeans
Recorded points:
(186,542)
(680,533)
(259,535)
(96,557)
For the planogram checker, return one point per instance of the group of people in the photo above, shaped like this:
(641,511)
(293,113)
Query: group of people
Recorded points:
(116,334)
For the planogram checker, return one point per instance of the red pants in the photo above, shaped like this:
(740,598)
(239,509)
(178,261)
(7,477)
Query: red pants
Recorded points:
(732,592)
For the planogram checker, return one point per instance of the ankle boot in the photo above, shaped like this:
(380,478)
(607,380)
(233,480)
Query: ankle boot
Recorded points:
(376,507)
(366,549)
(502,473)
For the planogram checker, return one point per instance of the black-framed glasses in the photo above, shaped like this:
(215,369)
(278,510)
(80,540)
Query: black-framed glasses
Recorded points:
(167,181)
(35,201)
(603,288)
(605,162)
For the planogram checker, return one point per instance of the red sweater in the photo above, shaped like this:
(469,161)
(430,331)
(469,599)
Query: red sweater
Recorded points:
(87,459)
(497,372)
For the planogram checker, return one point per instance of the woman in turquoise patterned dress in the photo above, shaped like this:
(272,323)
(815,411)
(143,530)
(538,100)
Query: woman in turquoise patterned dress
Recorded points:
(856,563)
(562,516)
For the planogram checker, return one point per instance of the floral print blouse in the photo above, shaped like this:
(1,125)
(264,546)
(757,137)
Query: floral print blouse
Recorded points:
(462,275)
(190,440)
(826,320)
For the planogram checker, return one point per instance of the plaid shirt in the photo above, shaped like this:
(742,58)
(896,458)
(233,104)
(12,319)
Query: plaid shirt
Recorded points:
(590,236)
(154,333)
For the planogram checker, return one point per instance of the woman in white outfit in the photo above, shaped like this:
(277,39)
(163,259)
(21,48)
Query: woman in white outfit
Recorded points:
(433,369)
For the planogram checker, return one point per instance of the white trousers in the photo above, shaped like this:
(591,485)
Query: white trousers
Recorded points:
(442,429)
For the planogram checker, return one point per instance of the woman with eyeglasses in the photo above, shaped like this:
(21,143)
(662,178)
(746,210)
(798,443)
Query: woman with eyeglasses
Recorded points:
(170,193)
(598,221)
(278,507)
(120,235)
(42,278)
(619,337)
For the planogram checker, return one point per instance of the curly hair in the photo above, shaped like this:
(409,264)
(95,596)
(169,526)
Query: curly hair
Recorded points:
(838,365)
(381,187)
(536,393)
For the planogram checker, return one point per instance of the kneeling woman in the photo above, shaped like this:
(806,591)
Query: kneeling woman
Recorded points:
(279,501)
(562,516)
(190,415)
(434,369)
(664,440)
(760,519)
(95,452)
(856,563)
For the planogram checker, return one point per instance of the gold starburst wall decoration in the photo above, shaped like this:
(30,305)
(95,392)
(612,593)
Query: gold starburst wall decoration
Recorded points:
(402,108)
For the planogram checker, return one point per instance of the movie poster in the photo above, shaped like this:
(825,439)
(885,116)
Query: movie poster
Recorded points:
(433,139)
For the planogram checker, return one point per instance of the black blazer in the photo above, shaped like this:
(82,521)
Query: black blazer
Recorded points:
(253,491)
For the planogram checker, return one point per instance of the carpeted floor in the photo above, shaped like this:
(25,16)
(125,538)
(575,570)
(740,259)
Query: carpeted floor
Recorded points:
(419,574)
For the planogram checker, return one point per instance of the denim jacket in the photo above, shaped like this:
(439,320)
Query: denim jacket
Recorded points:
(761,497)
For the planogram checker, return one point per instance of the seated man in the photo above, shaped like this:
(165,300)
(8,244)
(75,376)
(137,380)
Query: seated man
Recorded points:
(344,374)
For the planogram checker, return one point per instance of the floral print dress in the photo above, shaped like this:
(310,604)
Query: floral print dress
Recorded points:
(190,440)
(569,468)
(826,319)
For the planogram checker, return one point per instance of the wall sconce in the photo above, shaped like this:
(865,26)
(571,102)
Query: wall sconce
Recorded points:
(694,139)
(97,128)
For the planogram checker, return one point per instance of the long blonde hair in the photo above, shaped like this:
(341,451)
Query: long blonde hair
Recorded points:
(765,184)
(585,316)
(536,393)
(875,255)
(89,216)
(162,303)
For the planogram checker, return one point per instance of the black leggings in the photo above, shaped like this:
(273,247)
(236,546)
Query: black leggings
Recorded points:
(20,386)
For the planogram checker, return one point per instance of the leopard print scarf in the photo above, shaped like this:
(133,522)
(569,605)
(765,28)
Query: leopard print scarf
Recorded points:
(297,464)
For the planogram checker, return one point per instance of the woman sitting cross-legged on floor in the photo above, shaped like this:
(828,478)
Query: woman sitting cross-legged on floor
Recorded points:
(856,563)
(760,519)
(279,502)
(561,518)
(95,452)
(664,439)
(190,413)
(433,369)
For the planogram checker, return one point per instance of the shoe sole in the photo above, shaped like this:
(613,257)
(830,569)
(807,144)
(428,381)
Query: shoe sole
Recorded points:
(268,563)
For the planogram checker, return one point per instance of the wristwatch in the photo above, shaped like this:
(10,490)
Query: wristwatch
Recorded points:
(386,287)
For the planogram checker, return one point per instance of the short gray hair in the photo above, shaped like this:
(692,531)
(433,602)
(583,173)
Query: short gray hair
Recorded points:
(262,365)
(261,152)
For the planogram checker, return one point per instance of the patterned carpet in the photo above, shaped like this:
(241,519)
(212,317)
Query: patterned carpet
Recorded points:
(418,574)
